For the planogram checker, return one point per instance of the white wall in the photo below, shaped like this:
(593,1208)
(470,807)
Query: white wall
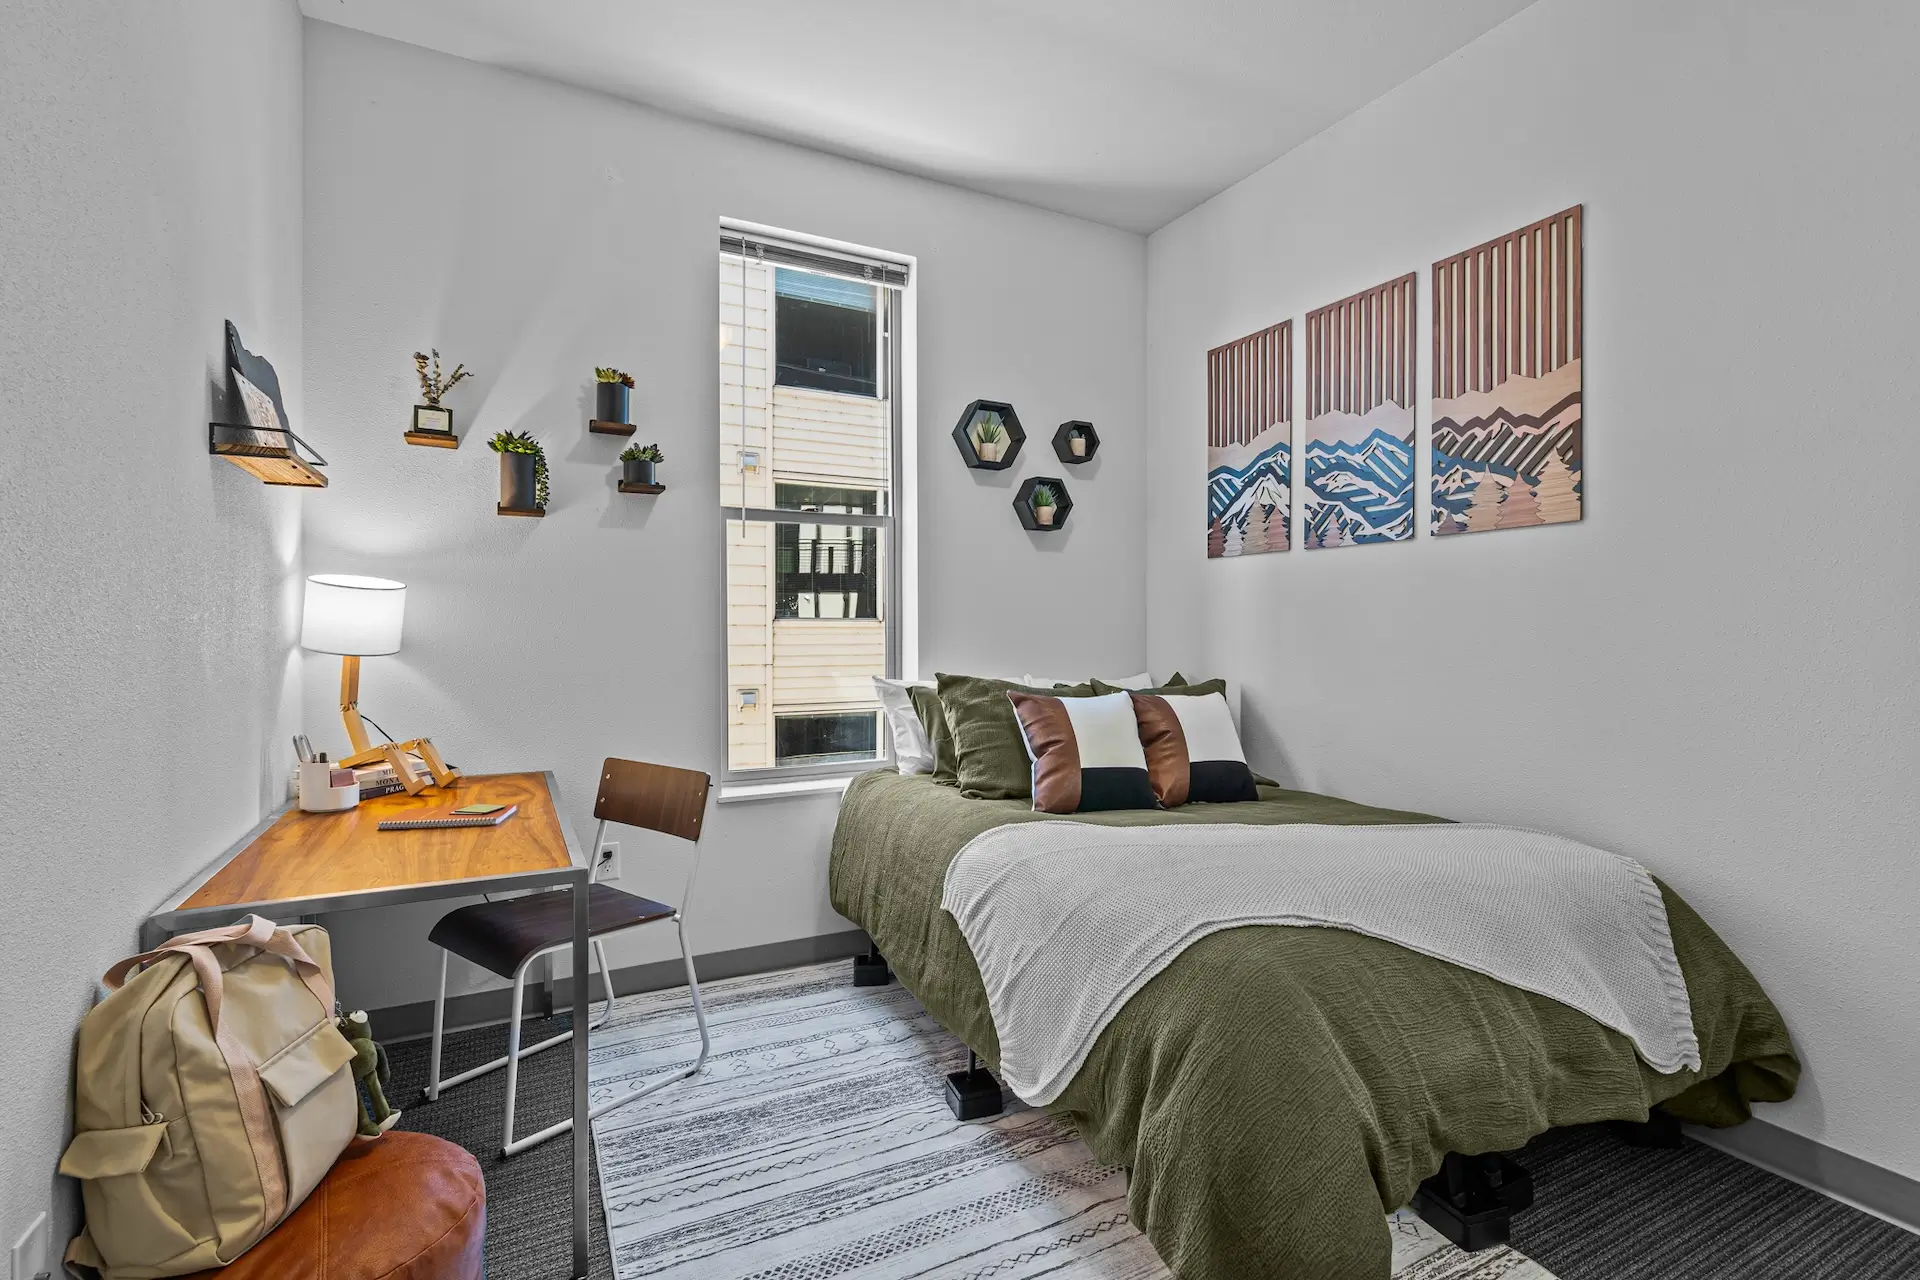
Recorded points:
(535,231)
(1714,672)
(149,190)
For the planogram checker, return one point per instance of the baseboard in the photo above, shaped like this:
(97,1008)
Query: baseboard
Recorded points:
(1881,1192)
(489,1008)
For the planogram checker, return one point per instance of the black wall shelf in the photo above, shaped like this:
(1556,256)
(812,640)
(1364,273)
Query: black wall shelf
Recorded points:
(1029,517)
(1063,442)
(1009,422)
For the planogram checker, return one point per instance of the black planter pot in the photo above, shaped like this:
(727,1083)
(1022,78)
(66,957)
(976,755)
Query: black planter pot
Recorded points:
(610,404)
(516,481)
(637,471)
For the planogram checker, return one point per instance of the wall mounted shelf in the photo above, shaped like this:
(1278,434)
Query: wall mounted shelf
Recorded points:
(1023,504)
(1063,442)
(434,439)
(642,488)
(601,428)
(983,410)
(271,463)
(519,511)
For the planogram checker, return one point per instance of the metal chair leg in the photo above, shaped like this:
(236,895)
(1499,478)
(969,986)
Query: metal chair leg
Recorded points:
(439,1033)
(435,1084)
(513,1057)
(652,1086)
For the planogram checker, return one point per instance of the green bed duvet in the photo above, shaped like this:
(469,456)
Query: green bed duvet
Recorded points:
(1276,1090)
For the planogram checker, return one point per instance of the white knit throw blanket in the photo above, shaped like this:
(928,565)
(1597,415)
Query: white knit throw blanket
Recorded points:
(1067,920)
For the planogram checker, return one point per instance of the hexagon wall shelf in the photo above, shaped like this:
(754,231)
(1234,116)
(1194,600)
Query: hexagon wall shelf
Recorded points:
(1029,518)
(981,410)
(1063,442)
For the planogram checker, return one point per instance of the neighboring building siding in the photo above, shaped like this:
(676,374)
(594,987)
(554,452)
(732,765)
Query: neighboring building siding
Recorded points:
(815,437)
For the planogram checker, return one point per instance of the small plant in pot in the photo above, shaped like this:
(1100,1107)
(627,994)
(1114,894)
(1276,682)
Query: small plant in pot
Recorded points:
(611,397)
(637,462)
(989,438)
(1077,443)
(523,470)
(1044,504)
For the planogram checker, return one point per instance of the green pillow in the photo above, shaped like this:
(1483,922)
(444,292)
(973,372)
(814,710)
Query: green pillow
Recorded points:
(926,705)
(990,756)
(1176,683)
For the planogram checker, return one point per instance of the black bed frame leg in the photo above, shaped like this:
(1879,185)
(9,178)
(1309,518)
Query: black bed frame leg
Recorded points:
(1472,1200)
(870,970)
(1660,1130)
(973,1094)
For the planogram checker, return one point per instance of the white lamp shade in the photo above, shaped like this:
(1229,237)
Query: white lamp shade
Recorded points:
(348,614)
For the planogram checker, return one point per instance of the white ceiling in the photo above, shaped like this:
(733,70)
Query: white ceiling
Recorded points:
(1128,112)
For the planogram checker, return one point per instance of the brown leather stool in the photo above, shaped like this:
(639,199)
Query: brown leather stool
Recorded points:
(408,1206)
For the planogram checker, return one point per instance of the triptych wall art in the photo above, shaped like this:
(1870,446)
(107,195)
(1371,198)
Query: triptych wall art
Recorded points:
(1505,398)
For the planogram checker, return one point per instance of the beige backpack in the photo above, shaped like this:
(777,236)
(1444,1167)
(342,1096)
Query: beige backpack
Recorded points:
(212,1092)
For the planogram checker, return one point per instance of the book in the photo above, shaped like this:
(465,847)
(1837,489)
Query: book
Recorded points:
(450,818)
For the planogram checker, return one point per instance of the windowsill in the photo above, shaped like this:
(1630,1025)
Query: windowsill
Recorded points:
(741,792)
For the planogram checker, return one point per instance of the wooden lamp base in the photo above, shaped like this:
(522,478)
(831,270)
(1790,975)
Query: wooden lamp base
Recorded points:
(394,753)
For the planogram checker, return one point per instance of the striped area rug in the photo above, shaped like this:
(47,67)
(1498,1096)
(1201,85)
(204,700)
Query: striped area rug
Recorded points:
(817,1145)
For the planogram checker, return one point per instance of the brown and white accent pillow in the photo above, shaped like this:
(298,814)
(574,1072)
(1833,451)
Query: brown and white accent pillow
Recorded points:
(1193,754)
(1086,753)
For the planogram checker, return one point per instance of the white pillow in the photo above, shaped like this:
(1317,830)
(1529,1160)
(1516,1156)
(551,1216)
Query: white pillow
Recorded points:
(911,750)
(1141,681)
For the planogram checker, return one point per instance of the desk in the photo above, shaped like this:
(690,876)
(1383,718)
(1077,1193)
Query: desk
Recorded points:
(298,864)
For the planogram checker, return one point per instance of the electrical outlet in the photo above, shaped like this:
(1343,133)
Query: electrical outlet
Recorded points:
(30,1251)
(609,861)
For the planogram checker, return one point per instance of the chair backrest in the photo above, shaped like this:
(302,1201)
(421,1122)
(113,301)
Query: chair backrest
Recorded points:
(655,796)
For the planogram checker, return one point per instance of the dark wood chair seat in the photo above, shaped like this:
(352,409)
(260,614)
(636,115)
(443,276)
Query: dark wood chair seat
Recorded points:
(502,936)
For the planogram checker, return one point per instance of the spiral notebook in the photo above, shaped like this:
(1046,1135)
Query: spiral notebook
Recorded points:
(451,818)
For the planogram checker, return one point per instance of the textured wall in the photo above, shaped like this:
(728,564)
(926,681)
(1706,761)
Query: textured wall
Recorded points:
(1714,672)
(535,231)
(149,190)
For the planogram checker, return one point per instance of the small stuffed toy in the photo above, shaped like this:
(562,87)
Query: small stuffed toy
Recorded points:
(370,1073)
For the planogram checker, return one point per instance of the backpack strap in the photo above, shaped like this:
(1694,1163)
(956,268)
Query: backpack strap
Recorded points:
(256,1114)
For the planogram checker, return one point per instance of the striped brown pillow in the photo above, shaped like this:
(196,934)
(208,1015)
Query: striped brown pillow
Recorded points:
(1085,752)
(1193,754)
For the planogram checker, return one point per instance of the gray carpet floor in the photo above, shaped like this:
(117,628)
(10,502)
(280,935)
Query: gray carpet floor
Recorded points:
(1602,1210)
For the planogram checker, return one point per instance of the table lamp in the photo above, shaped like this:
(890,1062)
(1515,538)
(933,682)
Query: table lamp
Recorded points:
(356,618)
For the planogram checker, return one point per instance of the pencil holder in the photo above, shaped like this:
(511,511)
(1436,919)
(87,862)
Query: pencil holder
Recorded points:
(327,788)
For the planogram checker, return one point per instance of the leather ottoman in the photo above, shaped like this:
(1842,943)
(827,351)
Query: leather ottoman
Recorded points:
(407,1207)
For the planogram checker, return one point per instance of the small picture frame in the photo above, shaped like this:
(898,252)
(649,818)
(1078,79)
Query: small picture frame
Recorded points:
(433,425)
(433,417)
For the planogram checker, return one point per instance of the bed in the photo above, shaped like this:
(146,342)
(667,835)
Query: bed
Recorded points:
(1276,1090)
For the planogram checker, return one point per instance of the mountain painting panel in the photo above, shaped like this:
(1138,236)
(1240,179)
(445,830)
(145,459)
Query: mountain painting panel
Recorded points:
(1250,443)
(1507,442)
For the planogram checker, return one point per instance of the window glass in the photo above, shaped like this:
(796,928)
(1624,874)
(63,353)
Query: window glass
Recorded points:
(807,504)
(824,739)
(826,333)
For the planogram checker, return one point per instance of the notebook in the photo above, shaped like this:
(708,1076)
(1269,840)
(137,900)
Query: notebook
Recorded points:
(451,819)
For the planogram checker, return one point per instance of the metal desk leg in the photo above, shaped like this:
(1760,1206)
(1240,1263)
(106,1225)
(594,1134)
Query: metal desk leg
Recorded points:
(582,1127)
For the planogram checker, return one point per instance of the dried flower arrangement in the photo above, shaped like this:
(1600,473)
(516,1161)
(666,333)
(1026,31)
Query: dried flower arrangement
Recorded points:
(432,385)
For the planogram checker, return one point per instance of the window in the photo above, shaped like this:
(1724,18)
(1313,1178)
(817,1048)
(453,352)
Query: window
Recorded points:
(808,440)
(826,333)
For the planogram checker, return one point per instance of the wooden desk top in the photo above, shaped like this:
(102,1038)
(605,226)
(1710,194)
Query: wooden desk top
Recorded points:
(304,855)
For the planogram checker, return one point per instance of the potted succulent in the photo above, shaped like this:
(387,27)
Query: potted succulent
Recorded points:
(989,438)
(1043,506)
(432,418)
(637,462)
(612,395)
(1077,443)
(523,471)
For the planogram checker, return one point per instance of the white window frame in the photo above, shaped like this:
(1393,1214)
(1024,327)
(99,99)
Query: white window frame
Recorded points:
(900,605)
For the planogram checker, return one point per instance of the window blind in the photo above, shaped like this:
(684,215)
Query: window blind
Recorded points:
(807,257)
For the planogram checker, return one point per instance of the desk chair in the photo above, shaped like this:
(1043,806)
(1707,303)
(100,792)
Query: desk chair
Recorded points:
(508,936)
